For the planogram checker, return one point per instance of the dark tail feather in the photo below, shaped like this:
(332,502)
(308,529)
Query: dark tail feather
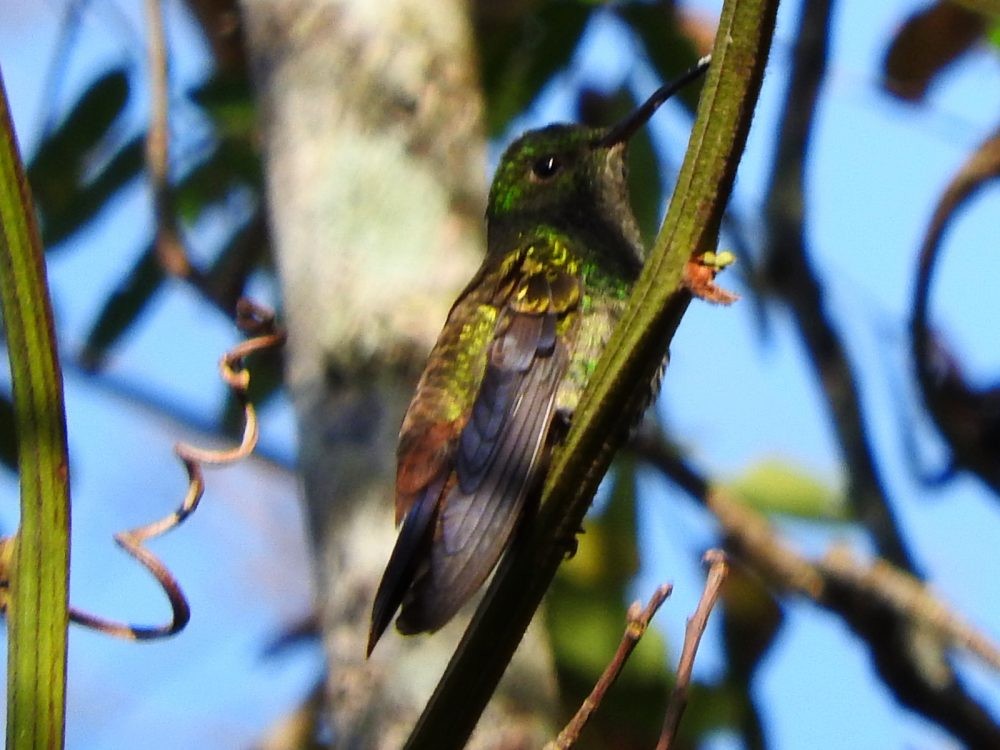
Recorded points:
(403,562)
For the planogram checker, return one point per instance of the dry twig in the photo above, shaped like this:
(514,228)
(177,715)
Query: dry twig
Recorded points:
(692,637)
(169,245)
(637,621)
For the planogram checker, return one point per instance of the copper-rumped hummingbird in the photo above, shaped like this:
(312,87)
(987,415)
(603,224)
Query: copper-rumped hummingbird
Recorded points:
(507,371)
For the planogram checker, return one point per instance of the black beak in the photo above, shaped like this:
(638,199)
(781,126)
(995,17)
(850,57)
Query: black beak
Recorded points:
(626,128)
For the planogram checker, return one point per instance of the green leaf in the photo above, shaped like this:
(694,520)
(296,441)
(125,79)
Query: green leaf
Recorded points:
(248,249)
(229,102)
(123,307)
(86,125)
(232,164)
(70,208)
(68,190)
(993,34)
(37,602)
(606,560)
(751,619)
(778,487)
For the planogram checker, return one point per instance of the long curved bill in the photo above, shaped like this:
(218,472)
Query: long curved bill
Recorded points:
(626,128)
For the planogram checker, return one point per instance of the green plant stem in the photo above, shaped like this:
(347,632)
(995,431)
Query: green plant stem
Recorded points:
(37,608)
(632,357)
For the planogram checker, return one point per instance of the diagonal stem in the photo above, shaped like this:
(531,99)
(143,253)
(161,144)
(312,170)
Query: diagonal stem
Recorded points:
(39,577)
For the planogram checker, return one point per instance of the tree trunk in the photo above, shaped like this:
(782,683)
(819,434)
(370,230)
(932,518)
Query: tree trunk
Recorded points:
(374,156)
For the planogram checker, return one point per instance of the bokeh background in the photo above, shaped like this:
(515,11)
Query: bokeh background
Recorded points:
(741,399)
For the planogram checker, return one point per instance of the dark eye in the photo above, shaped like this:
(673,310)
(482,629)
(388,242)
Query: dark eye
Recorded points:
(546,167)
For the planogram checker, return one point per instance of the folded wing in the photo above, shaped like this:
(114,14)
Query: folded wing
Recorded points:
(456,529)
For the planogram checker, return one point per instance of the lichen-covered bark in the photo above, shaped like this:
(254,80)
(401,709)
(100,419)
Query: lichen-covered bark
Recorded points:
(375,177)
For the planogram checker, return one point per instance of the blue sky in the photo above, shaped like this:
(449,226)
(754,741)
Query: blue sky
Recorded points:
(734,398)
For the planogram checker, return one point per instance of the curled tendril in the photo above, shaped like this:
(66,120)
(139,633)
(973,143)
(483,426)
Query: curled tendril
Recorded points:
(258,323)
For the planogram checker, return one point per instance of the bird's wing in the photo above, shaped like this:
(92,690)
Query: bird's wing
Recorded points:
(500,447)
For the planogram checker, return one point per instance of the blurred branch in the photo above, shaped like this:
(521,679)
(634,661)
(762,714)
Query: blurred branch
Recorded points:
(633,355)
(169,245)
(718,570)
(69,27)
(170,248)
(790,274)
(968,419)
(637,622)
(37,567)
(913,667)
(908,597)
(878,601)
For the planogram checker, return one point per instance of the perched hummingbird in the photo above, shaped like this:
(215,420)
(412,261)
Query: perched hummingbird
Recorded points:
(516,352)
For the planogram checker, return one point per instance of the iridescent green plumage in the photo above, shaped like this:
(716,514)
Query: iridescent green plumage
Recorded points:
(515,354)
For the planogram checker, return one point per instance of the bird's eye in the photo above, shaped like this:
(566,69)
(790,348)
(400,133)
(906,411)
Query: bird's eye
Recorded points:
(546,167)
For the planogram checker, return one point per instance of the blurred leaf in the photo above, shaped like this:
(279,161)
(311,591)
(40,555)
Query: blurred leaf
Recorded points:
(607,558)
(777,487)
(89,197)
(125,304)
(248,249)
(751,620)
(521,51)
(8,434)
(929,41)
(86,124)
(669,49)
(233,163)
(993,35)
(229,102)
(69,182)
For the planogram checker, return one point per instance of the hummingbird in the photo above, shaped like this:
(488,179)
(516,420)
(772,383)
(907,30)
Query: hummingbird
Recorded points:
(519,345)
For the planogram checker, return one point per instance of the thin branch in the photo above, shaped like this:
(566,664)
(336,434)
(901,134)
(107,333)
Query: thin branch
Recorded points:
(632,357)
(911,598)
(70,24)
(752,539)
(169,245)
(717,573)
(637,622)
(171,251)
(966,417)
